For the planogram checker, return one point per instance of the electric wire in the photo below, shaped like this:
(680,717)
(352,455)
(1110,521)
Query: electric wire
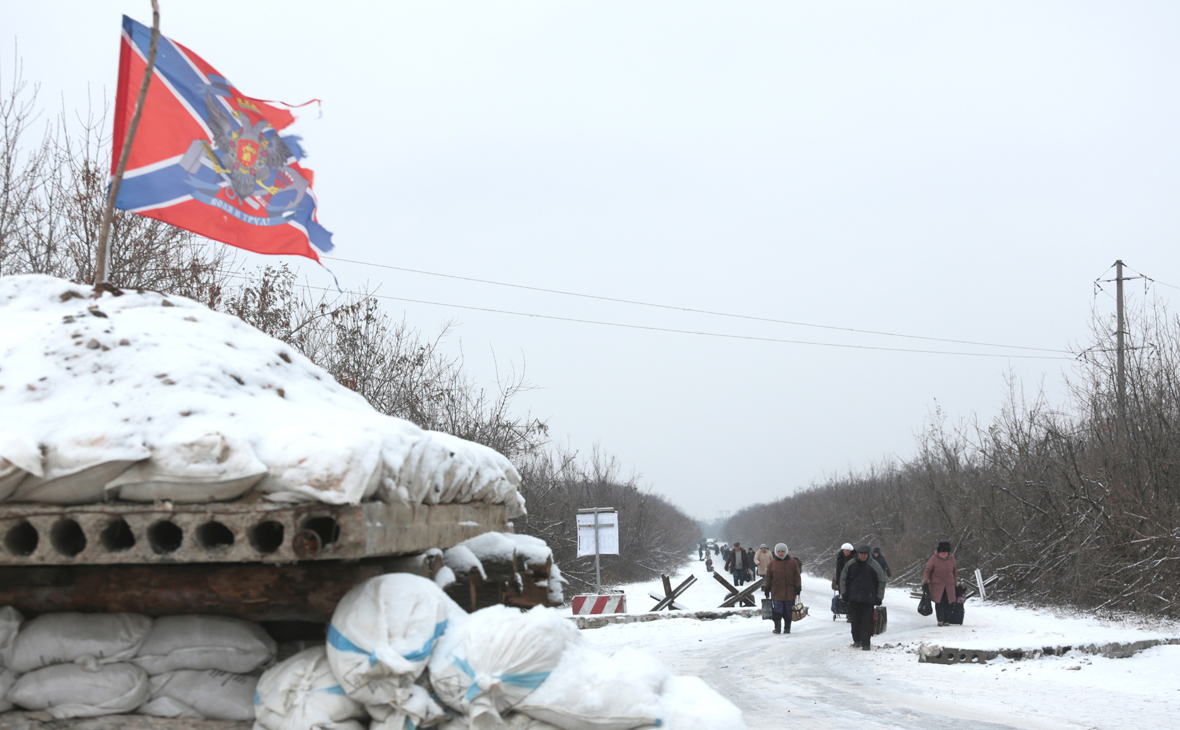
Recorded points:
(678,331)
(692,310)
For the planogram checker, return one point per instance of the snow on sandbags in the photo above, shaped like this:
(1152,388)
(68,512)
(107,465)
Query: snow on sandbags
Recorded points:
(490,662)
(208,468)
(588,690)
(19,458)
(223,643)
(444,468)
(301,692)
(78,467)
(382,634)
(688,703)
(207,694)
(55,638)
(172,373)
(77,690)
(7,679)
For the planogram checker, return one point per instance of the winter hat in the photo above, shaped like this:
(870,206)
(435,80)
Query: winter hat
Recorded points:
(847,546)
(876,551)
(862,549)
(781,547)
(763,545)
(944,546)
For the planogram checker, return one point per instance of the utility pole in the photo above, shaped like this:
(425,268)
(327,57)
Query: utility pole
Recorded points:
(1121,375)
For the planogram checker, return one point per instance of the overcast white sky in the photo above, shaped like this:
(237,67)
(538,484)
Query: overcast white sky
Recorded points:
(954,170)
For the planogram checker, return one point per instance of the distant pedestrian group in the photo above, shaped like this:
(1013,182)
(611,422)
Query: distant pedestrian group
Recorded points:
(862,573)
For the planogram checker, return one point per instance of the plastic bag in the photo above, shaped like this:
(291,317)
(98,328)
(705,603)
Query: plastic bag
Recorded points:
(924,606)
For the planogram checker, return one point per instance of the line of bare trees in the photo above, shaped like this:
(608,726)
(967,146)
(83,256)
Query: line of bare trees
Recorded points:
(1069,505)
(53,182)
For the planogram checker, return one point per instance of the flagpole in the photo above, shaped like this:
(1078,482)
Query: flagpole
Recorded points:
(104,253)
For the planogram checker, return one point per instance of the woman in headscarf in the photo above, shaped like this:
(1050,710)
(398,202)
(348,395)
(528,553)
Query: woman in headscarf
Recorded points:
(785,582)
(940,578)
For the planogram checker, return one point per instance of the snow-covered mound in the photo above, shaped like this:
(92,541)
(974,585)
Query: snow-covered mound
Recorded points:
(144,396)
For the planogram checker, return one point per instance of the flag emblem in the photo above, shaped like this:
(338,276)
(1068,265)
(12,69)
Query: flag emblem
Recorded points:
(209,159)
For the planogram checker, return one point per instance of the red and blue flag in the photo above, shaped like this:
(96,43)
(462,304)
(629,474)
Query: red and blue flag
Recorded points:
(209,159)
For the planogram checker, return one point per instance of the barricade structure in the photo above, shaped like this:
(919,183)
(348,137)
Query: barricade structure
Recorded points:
(590,604)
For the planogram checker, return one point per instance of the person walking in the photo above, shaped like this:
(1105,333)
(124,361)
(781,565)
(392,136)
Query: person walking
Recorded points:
(784,582)
(842,556)
(762,559)
(862,585)
(701,548)
(940,578)
(750,564)
(881,559)
(736,564)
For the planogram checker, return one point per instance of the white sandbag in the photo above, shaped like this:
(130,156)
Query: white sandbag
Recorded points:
(208,694)
(7,679)
(78,467)
(205,642)
(301,692)
(382,634)
(77,690)
(588,690)
(690,704)
(495,658)
(10,622)
(352,475)
(209,468)
(55,638)
(19,457)
(415,709)
(511,721)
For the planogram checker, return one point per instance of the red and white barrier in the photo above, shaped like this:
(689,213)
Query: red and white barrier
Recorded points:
(591,604)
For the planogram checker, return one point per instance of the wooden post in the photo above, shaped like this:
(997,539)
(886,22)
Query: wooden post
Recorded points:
(103,252)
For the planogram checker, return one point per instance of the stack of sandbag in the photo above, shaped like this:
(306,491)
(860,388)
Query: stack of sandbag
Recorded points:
(301,692)
(10,621)
(79,665)
(380,640)
(203,667)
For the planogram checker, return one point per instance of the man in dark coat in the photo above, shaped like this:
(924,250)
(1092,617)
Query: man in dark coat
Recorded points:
(862,585)
(737,563)
(881,559)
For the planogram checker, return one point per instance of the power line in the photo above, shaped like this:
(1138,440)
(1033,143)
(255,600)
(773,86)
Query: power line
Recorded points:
(687,332)
(694,311)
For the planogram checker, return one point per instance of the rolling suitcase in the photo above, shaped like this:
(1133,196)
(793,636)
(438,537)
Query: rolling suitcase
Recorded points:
(881,619)
(955,614)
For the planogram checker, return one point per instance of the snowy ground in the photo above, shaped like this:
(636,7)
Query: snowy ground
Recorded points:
(812,678)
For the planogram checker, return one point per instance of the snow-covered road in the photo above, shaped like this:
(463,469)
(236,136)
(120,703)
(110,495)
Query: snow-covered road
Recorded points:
(813,678)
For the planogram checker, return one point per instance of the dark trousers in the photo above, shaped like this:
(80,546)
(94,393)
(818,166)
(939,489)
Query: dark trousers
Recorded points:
(861,616)
(739,577)
(782,619)
(942,609)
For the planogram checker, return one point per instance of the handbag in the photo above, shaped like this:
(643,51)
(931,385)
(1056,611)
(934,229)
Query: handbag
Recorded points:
(924,606)
(767,608)
(798,612)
